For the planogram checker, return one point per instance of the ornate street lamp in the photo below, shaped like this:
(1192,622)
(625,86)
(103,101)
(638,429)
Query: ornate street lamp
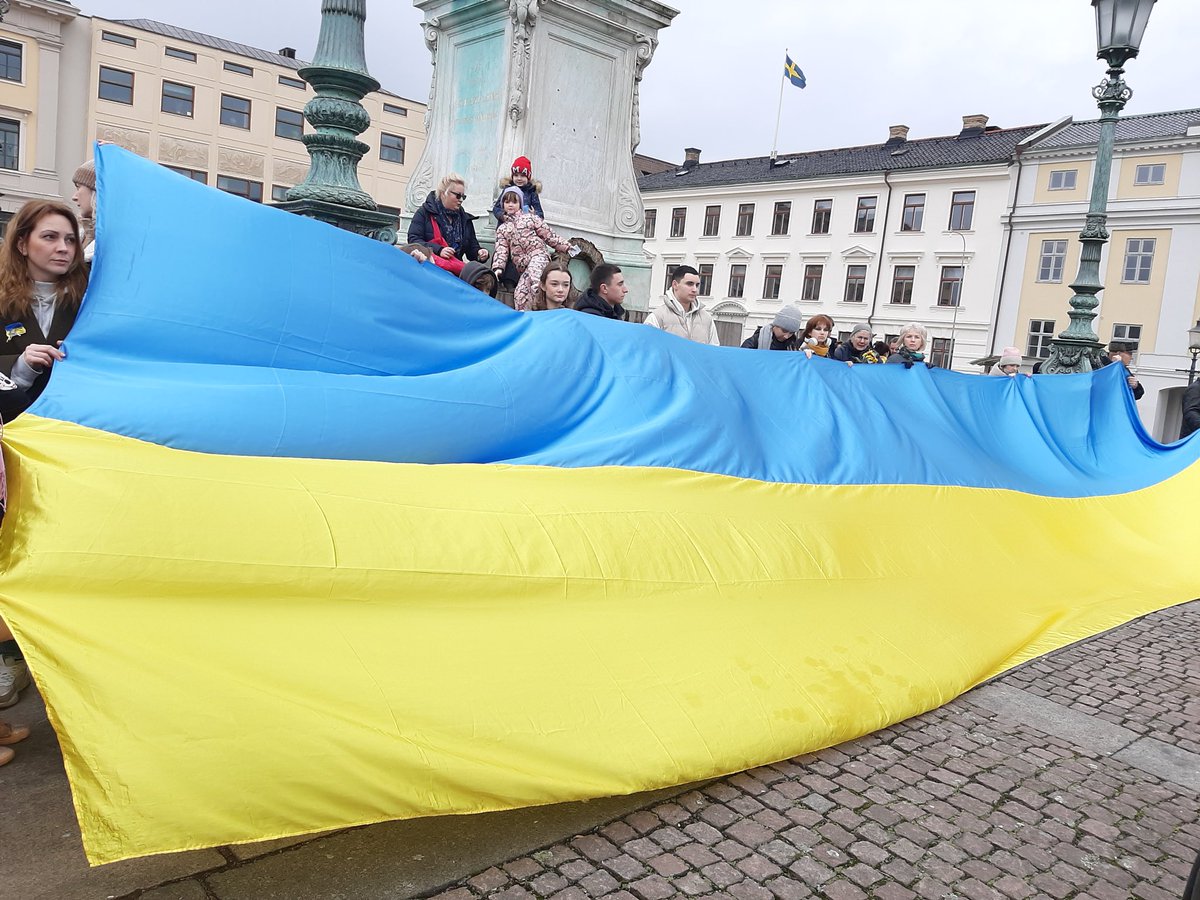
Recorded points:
(1194,349)
(1120,25)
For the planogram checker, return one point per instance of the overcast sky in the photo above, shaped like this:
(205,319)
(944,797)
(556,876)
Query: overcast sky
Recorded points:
(714,83)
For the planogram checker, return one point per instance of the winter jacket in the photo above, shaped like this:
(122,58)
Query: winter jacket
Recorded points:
(24,330)
(595,305)
(754,341)
(848,353)
(522,238)
(695,324)
(1191,410)
(904,355)
(532,202)
(431,224)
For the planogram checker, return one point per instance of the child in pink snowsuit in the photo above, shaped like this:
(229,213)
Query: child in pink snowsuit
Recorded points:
(524,236)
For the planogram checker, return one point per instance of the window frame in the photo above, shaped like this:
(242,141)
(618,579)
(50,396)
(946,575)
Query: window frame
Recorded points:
(250,185)
(233,112)
(1048,258)
(822,216)
(394,110)
(963,210)
(20,58)
(101,83)
(856,283)
(398,145)
(190,100)
(955,285)
(298,84)
(745,220)
(864,214)
(772,277)
(237,68)
(1037,342)
(292,136)
(1125,338)
(814,276)
(678,221)
(903,285)
(915,222)
(737,289)
(712,220)
(13,127)
(177,53)
(279,192)
(115,37)
(781,218)
(1150,169)
(650,223)
(188,173)
(1139,256)
(705,271)
(1063,186)
(941,352)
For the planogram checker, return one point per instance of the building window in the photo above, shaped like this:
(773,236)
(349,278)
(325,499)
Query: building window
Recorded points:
(678,221)
(116,85)
(782,217)
(289,124)
(913,215)
(1063,179)
(712,221)
(251,190)
(811,290)
(237,68)
(178,99)
(771,282)
(1128,334)
(10,144)
(737,280)
(394,109)
(11,56)
(235,112)
(1054,256)
(706,276)
(729,332)
(1139,257)
(950,288)
(292,82)
(1155,173)
(822,213)
(279,192)
(176,53)
(391,148)
(864,216)
(194,174)
(941,352)
(650,223)
(745,223)
(962,210)
(856,284)
(113,38)
(1041,331)
(902,283)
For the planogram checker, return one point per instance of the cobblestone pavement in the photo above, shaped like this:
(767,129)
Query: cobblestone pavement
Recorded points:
(1074,776)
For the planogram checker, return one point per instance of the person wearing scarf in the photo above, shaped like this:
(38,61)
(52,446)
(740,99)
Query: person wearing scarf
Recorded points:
(912,346)
(779,335)
(443,222)
(858,348)
(817,338)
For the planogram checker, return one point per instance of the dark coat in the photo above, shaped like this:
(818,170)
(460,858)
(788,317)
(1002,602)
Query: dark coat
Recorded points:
(12,347)
(595,305)
(1191,410)
(903,356)
(420,230)
(532,201)
(751,343)
(846,352)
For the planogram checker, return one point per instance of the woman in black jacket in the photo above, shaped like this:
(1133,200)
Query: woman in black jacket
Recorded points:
(443,222)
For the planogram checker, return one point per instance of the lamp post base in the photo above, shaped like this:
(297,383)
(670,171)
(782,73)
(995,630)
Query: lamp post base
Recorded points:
(1073,357)
(368,222)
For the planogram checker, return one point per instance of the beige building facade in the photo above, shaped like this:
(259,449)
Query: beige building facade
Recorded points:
(35,77)
(1151,264)
(223,113)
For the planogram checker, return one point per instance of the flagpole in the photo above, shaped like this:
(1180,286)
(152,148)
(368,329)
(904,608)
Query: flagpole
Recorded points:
(778,113)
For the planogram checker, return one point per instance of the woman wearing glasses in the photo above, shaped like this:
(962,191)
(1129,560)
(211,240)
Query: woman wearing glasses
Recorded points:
(442,222)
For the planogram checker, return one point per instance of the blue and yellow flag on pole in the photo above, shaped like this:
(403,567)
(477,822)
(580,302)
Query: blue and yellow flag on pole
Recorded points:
(792,72)
(540,556)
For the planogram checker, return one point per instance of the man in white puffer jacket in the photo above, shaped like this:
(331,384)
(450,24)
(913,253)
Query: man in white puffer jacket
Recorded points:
(681,312)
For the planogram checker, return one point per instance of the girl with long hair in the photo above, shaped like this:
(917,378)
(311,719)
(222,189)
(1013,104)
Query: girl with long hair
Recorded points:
(42,281)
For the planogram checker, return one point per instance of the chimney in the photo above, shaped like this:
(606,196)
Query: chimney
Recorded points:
(973,126)
(289,52)
(897,134)
(691,157)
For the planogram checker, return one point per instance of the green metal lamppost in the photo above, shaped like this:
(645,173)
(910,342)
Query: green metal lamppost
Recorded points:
(1120,25)
(1194,349)
(338,73)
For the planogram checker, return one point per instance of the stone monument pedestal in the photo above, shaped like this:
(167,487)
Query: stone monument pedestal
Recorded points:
(556,81)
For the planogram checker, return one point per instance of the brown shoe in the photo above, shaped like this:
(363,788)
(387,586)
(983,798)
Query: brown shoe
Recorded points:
(6,755)
(12,734)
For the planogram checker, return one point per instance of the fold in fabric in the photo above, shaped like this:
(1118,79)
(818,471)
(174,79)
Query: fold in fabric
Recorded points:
(303,535)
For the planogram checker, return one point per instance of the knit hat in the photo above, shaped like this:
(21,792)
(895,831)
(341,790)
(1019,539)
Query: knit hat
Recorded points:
(789,319)
(522,166)
(515,191)
(85,175)
(1009,356)
(857,328)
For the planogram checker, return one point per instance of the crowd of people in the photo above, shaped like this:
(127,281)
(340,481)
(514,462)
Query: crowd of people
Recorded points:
(46,255)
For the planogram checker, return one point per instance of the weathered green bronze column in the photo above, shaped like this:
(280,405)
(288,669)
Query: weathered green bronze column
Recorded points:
(338,73)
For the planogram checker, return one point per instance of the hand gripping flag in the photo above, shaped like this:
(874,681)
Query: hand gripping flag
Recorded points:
(792,72)
(304,534)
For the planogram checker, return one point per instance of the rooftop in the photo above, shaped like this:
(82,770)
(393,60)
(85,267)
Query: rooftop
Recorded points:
(993,145)
(218,43)
(1152,126)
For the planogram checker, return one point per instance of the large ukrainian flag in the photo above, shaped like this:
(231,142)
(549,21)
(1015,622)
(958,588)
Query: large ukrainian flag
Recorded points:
(304,534)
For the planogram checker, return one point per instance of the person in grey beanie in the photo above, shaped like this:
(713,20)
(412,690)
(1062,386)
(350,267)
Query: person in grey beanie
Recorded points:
(84,197)
(780,334)
(857,348)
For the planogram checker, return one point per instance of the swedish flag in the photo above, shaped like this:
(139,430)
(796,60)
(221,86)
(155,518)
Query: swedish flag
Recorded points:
(792,72)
